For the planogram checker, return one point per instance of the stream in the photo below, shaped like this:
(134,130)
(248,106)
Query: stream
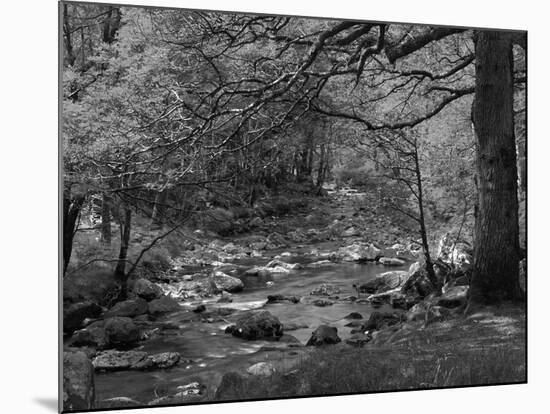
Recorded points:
(207,352)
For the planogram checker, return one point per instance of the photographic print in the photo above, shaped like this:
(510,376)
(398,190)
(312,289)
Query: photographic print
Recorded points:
(267,206)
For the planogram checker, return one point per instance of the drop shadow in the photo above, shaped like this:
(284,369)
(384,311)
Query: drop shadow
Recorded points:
(49,403)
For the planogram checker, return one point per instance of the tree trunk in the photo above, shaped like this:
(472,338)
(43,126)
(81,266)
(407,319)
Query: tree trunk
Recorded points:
(111,24)
(495,276)
(71,209)
(106,220)
(422,221)
(68,37)
(120,270)
(157,215)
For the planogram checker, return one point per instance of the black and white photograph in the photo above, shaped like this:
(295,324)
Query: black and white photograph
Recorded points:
(272,206)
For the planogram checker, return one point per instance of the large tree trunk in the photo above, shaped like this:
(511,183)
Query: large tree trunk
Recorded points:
(496,246)
(71,209)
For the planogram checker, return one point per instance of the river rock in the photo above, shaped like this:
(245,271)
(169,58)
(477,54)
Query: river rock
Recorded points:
(400,301)
(417,283)
(146,289)
(74,315)
(359,253)
(353,315)
(112,360)
(280,263)
(261,369)
(164,359)
(225,282)
(120,331)
(351,232)
(320,263)
(293,326)
(163,305)
(324,335)
(283,298)
(129,308)
(92,335)
(384,282)
(325,289)
(78,381)
(118,402)
(322,303)
(256,325)
(391,261)
(120,360)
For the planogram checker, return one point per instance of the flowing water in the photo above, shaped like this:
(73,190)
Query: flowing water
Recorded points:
(207,352)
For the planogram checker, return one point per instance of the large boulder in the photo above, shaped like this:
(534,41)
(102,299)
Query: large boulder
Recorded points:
(324,335)
(136,360)
(92,335)
(418,284)
(163,305)
(78,381)
(359,253)
(120,360)
(261,369)
(74,315)
(384,282)
(283,298)
(257,325)
(225,282)
(372,253)
(147,290)
(121,331)
(129,308)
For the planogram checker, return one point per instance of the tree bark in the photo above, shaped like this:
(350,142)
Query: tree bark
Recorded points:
(422,221)
(71,209)
(495,275)
(106,220)
(111,24)
(67,37)
(157,216)
(120,270)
